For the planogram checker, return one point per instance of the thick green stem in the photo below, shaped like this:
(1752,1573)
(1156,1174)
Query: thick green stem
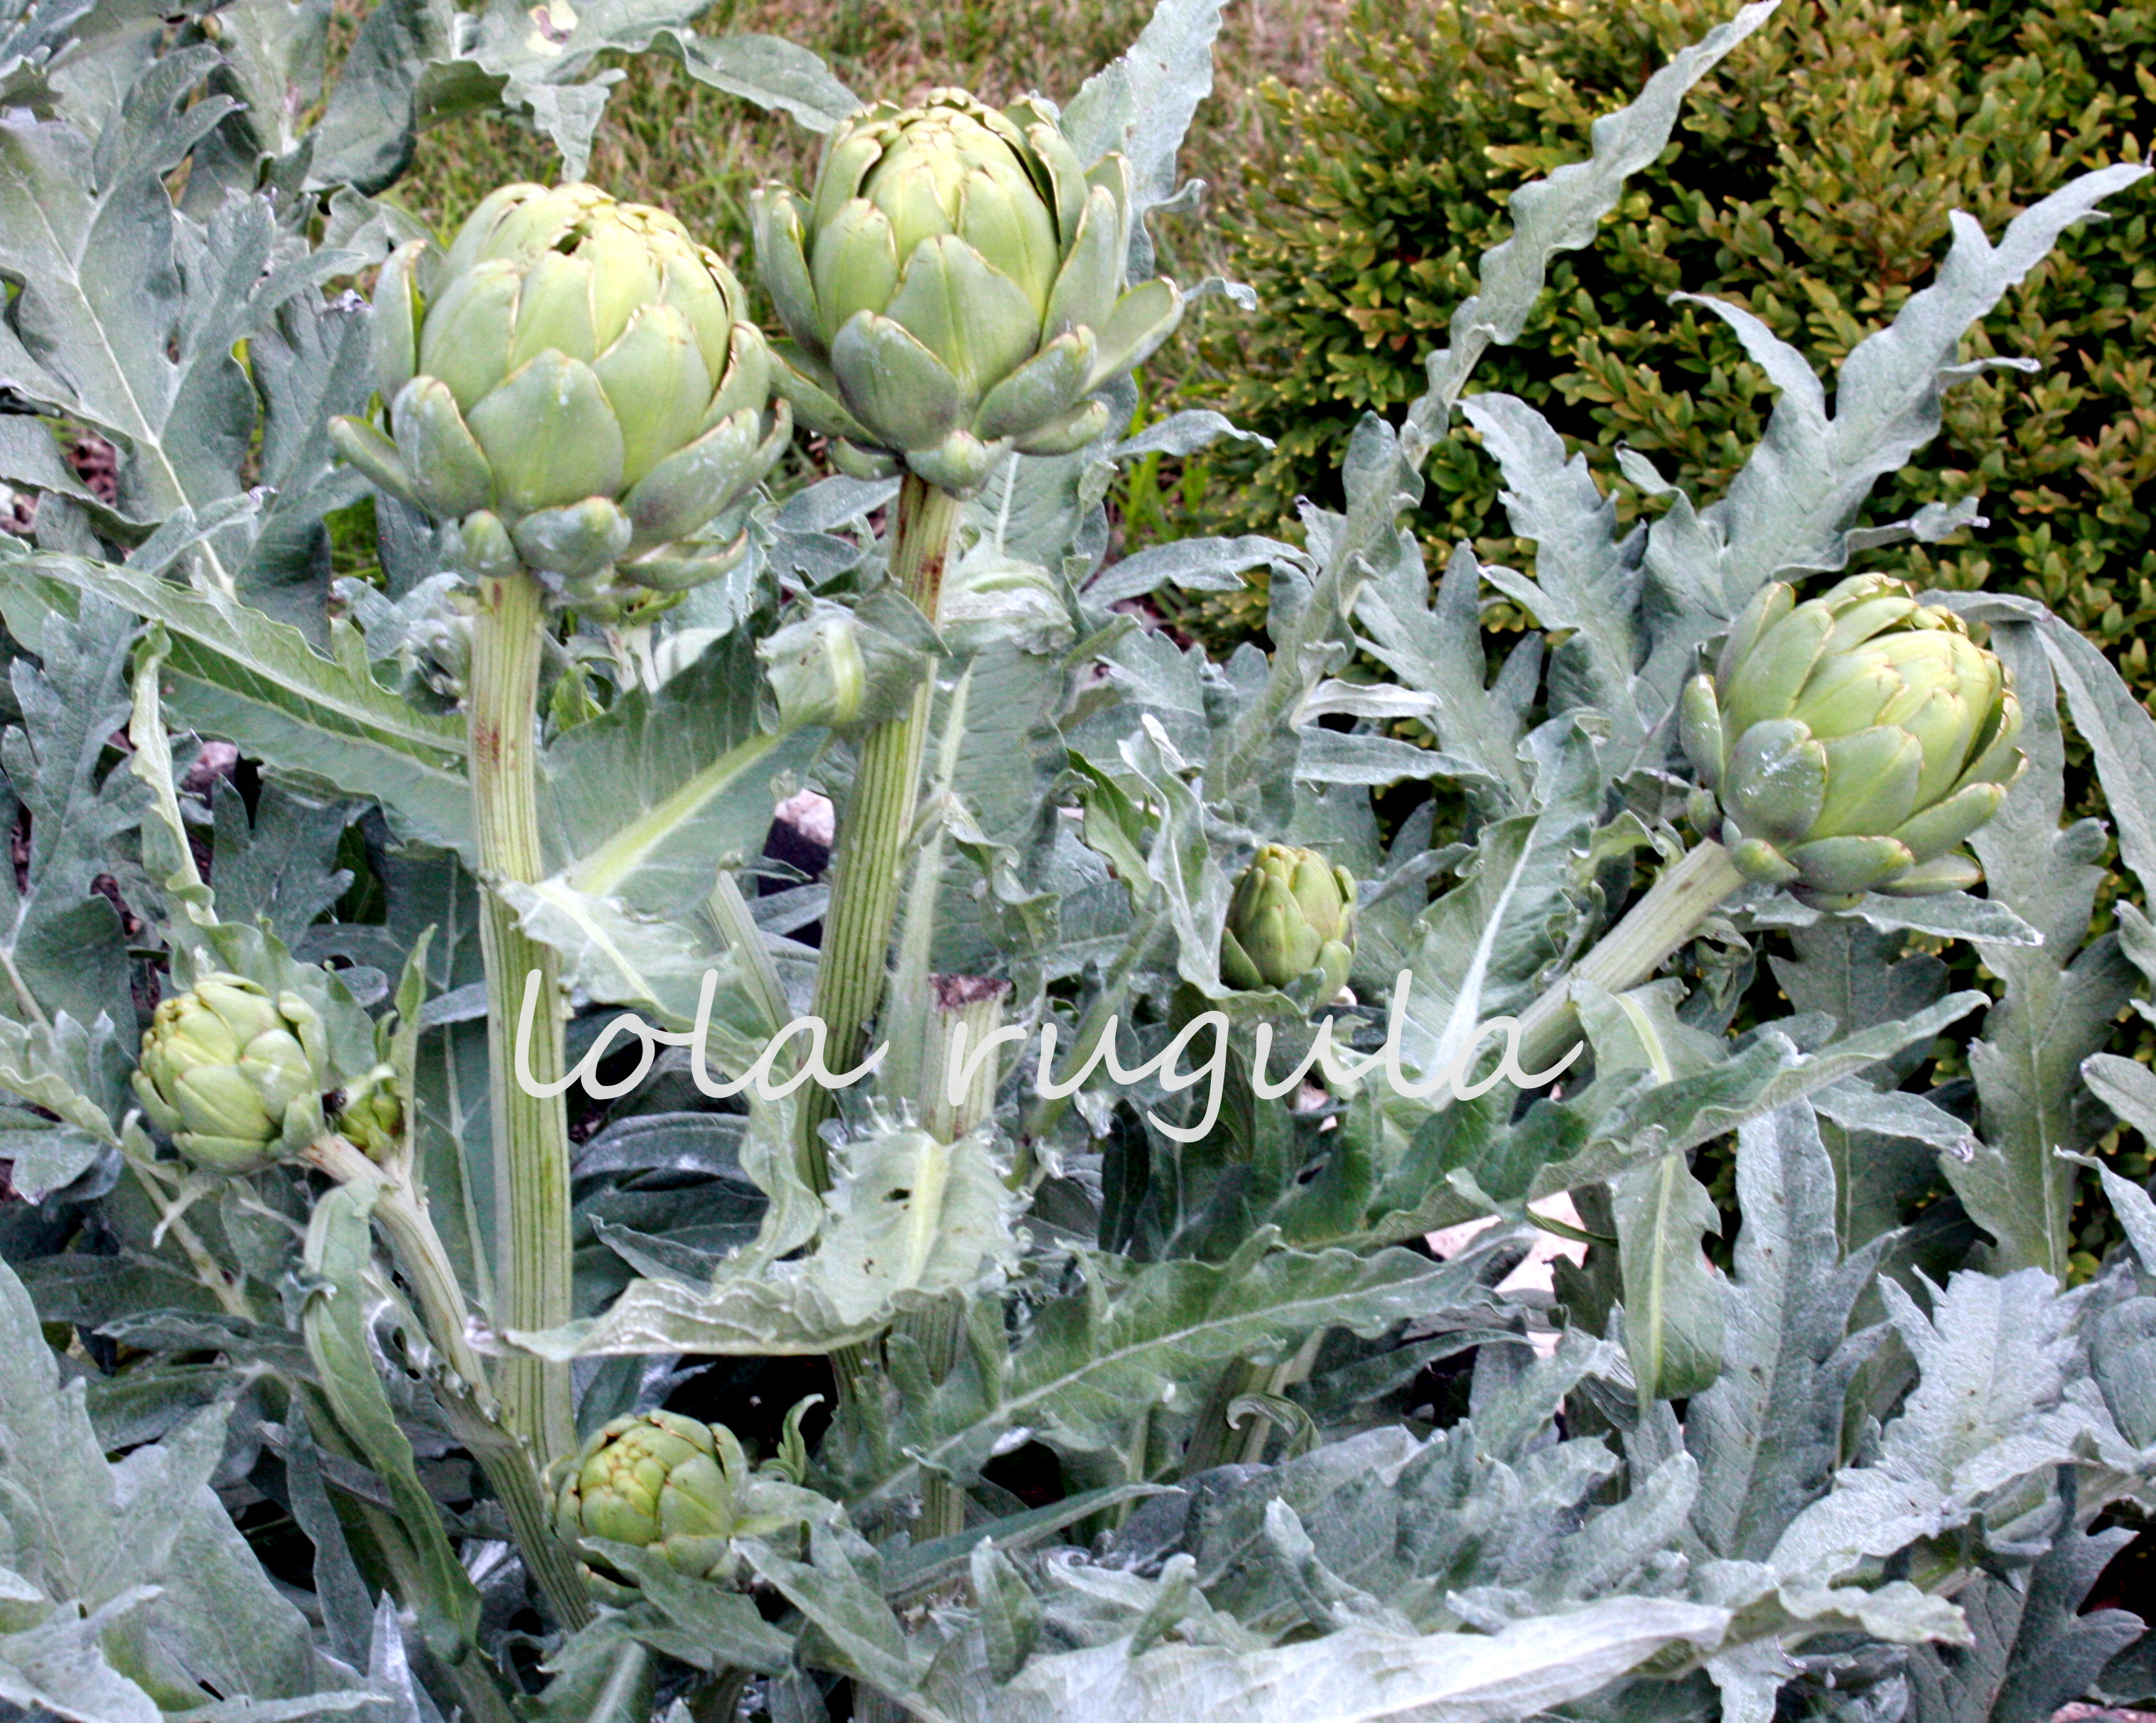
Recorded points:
(872,855)
(1691,889)
(531,1134)
(401,1213)
(868,870)
(976,1002)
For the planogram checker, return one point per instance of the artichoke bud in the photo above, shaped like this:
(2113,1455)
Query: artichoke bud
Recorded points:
(223,1064)
(1853,741)
(1292,915)
(369,1117)
(954,289)
(846,669)
(571,375)
(679,1489)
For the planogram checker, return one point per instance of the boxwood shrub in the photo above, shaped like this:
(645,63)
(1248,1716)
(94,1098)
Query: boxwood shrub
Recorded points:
(1811,179)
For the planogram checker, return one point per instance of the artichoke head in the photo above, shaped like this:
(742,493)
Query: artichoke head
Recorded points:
(1292,915)
(573,386)
(954,289)
(1853,742)
(679,1488)
(222,1065)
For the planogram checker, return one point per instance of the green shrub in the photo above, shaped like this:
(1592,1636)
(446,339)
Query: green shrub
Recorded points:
(1811,179)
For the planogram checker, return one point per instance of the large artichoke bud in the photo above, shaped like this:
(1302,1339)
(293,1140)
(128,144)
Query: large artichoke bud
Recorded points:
(955,289)
(222,1065)
(574,386)
(1854,742)
(1292,914)
(679,1488)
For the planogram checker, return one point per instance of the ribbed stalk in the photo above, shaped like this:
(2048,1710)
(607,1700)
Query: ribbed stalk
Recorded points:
(424,1262)
(1689,889)
(977,1003)
(531,1134)
(872,854)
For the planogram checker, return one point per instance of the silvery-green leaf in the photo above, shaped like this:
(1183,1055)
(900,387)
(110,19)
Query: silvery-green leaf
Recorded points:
(2060,997)
(1433,643)
(2035,1649)
(1673,1298)
(1994,1359)
(1188,564)
(906,1219)
(135,305)
(1859,977)
(2128,1088)
(236,674)
(1587,577)
(61,947)
(1481,949)
(1141,105)
(1132,1337)
(1790,504)
(1184,433)
(1348,1676)
(1768,1433)
(1635,1126)
(647,801)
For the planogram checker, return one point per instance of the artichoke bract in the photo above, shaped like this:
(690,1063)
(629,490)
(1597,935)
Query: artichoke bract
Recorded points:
(574,386)
(679,1488)
(955,289)
(1854,742)
(1292,915)
(222,1064)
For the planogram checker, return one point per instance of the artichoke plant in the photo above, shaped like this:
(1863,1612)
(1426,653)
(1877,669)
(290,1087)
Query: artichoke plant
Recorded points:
(222,1064)
(955,289)
(574,388)
(679,1488)
(1292,915)
(1854,741)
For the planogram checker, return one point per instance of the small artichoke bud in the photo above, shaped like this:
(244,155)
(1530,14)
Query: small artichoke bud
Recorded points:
(222,1065)
(843,668)
(1292,915)
(1853,742)
(370,1119)
(572,384)
(679,1488)
(954,289)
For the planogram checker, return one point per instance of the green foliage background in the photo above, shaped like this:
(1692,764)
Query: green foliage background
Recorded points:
(1811,180)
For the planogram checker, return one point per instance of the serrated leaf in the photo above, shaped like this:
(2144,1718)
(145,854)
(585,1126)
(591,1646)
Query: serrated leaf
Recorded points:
(1141,104)
(1351,1676)
(1859,977)
(1994,1359)
(1767,1434)
(1130,1336)
(2059,998)
(2035,1649)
